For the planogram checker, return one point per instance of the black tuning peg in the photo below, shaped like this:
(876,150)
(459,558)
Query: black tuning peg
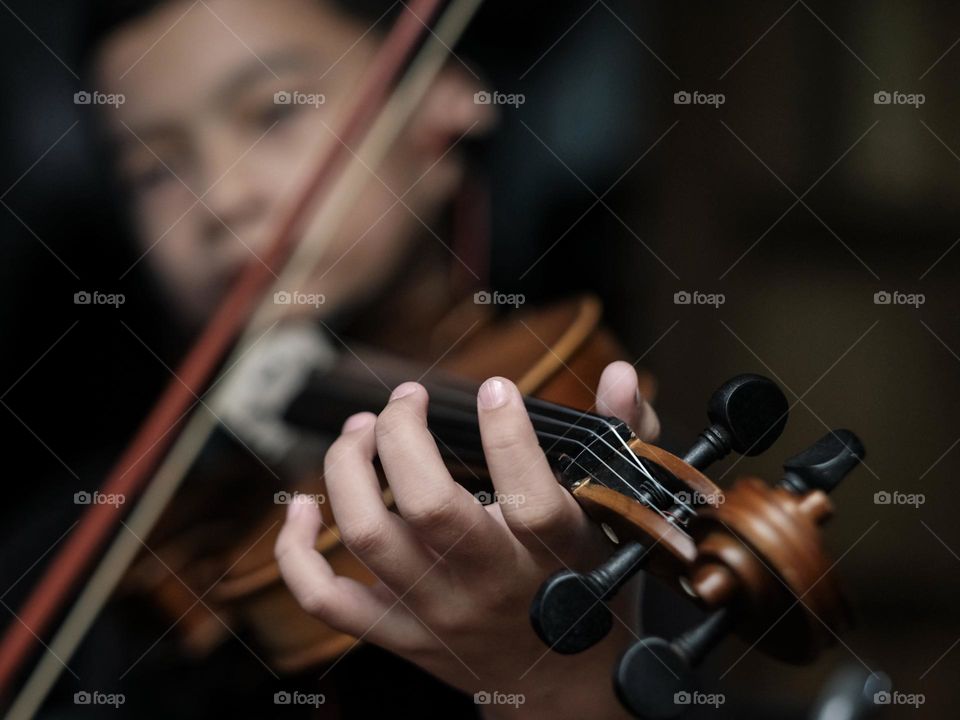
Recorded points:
(654,677)
(747,415)
(824,464)
(568,612)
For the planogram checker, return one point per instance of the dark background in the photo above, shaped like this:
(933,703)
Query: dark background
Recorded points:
(711,206)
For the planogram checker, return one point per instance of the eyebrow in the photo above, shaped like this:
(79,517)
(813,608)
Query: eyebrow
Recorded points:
(261,68)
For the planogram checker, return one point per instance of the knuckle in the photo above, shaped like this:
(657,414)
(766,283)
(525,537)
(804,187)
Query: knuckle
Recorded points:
(433,511)
(315,601)
(366,537)
(543,519)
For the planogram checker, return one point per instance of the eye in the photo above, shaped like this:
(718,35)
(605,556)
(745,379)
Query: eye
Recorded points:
(268,113)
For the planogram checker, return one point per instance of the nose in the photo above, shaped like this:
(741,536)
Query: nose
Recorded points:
(236,200)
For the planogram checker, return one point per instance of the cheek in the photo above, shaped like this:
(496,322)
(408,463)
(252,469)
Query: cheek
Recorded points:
(162,213)
(189,270)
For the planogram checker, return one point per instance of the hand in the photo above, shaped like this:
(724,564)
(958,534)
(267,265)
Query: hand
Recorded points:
(456,578)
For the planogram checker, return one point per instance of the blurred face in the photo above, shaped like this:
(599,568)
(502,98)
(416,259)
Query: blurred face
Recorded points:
(227,104)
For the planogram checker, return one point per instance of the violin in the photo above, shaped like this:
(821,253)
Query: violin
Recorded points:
(751,556)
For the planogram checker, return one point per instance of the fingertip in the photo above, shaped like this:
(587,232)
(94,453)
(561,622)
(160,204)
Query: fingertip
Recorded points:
(623,374)
(359,421)
(495,392)
(302,509)
(617,389)
(406,389)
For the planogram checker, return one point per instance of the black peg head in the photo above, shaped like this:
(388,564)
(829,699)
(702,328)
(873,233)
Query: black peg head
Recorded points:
(653,679)
(567,615)
(747,414)
(752,409)
(825,463)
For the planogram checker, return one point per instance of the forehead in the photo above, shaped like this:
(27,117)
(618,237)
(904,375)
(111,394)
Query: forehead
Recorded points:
(182,51)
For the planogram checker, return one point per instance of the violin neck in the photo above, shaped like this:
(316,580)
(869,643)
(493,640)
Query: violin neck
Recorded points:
(330,396)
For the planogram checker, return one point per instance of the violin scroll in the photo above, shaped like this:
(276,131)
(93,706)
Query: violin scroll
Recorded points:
(748,413)
(761,569)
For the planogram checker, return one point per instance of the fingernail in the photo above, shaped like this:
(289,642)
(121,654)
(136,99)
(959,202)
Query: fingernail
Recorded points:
(294,508)
(493,393)
(401,391)
(357,422)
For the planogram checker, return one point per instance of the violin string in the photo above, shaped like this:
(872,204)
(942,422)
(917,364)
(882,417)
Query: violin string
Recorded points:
(468,397)
(468,418)
(464,401)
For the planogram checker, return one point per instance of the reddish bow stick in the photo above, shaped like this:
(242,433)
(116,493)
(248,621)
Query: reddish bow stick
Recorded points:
(134,468)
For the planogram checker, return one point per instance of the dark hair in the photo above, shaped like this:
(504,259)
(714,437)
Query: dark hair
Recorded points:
(106,16)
